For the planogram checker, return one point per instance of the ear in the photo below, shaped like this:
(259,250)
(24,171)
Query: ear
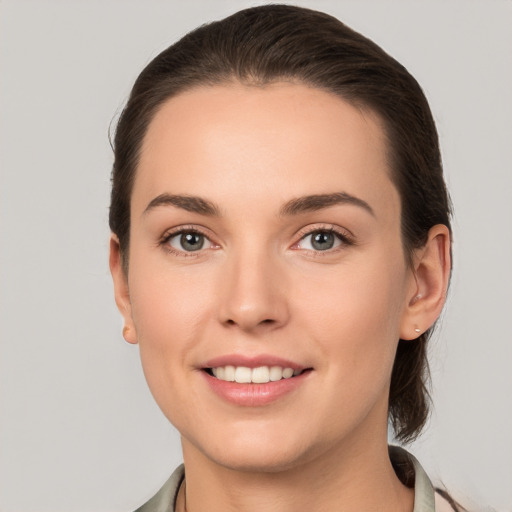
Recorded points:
(429,284)
(121,291)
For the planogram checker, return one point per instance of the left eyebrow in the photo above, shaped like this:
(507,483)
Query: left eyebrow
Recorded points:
(320,201)
(189,203)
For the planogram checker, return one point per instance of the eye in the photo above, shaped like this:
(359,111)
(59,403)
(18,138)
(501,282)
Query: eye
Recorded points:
(322,240)
(188,241)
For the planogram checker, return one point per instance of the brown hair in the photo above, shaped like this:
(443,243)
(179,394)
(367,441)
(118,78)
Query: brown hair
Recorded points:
(269,43)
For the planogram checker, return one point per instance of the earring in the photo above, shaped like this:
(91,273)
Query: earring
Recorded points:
(416,298)
(417,330)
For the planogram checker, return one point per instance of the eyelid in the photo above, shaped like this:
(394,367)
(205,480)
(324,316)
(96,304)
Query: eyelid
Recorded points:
(178,230)
(345,236)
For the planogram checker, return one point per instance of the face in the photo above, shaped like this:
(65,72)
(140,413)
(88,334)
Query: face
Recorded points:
(265,247)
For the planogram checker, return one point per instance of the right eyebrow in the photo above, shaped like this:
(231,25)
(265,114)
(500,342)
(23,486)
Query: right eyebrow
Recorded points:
(320,201)
(189,203)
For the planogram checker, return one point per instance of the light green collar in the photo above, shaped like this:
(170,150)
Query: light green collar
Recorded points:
(405,464)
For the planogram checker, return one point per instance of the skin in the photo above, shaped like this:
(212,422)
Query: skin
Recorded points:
(259,287)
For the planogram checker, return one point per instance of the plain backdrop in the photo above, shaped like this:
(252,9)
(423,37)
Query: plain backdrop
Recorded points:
(78,428)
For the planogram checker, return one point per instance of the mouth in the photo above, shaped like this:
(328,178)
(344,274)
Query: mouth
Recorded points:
(257,375)
(253,381)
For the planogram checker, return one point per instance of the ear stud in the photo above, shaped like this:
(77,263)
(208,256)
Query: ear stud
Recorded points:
(417,330)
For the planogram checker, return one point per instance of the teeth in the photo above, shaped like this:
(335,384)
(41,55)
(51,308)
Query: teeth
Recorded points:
(243,375)
(276,373)
(260,375)
(287,373)
(229,373)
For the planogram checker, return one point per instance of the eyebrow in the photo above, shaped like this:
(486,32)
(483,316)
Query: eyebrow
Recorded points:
(320,201)
(296,206)
(189,203)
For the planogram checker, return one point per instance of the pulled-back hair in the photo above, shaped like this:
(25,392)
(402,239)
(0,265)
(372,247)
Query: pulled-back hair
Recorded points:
(270,43)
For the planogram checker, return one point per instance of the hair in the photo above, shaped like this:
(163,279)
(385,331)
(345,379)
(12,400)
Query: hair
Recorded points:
(457,507)
(270,43)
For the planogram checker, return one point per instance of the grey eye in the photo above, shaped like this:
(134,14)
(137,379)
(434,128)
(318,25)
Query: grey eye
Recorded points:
(188,241)
(322,240)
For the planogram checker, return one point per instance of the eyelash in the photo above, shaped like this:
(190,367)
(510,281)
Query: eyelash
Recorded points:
(164,242)
(346,239)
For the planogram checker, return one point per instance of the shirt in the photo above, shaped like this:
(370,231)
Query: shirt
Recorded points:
(406,466)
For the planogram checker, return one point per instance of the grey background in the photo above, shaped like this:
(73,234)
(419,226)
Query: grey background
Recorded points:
(78,428)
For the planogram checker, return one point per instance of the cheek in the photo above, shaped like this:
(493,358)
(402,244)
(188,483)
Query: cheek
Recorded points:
(170,308)
(353,315)
(169,300)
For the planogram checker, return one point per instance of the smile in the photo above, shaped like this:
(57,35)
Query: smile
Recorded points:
(258,375)
(254,380)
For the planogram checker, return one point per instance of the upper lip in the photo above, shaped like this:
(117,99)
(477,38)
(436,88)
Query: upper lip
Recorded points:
(252,361)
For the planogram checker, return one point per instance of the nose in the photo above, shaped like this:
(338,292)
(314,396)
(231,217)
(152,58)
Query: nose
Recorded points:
(253,293)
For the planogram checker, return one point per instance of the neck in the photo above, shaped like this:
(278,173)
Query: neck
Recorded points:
(352,477)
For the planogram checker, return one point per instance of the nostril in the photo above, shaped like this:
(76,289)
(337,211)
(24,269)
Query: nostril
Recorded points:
(266,321)
(250,320)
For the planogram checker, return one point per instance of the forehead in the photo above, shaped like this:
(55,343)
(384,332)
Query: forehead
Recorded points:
(280,140)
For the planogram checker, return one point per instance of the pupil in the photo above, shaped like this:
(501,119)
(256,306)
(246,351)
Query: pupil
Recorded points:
(323,240)
(192,241)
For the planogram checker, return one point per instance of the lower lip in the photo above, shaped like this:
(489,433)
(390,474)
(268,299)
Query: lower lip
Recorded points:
(253,395)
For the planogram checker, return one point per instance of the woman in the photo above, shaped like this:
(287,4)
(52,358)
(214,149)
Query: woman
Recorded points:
(280,252)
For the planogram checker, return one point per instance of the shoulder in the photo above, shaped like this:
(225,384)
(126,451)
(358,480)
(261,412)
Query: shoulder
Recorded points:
(445,503)
(164,499)
(407,467)
(442,504)
(411,473)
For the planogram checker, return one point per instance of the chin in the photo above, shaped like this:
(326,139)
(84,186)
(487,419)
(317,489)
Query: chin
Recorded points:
(256,450)
(258,461)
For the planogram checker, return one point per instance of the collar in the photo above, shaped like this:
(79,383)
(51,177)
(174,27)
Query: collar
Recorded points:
(406,466)
(410,472)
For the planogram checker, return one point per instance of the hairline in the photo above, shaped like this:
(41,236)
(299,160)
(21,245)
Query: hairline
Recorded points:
(252,80)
